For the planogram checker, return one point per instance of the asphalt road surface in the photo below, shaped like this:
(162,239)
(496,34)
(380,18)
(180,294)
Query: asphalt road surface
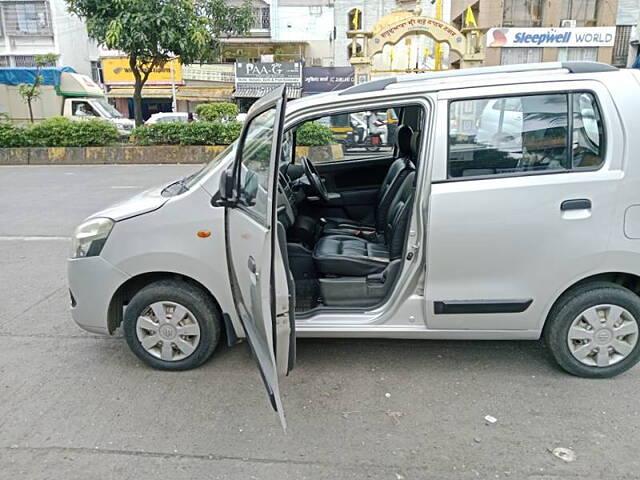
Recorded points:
(79,406)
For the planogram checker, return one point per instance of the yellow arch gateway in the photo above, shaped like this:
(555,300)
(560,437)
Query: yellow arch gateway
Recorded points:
(391,29)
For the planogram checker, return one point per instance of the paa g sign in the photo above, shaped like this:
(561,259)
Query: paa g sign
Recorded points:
(551,37)
(250,73)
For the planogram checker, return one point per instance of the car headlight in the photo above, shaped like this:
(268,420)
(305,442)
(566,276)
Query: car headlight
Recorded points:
(90,236)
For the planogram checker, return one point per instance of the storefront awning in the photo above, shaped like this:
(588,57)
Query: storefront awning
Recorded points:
(204,94)
(257,92)
(147,92)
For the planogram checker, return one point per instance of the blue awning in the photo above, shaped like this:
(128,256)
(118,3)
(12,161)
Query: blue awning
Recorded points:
(16,76)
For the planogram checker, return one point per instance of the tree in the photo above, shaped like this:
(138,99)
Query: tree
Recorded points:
(152,32)
(31,91)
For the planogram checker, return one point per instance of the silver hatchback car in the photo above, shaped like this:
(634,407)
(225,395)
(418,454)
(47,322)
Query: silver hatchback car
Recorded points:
(505,204)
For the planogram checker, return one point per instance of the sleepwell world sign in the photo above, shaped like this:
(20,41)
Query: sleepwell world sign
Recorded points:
(551,37)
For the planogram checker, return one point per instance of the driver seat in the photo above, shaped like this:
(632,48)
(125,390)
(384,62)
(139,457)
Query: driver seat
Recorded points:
(398,171)
(346,255)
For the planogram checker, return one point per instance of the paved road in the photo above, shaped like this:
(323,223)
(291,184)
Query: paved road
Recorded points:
(78,406)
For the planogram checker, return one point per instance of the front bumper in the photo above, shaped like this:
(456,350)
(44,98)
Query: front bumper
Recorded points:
(92,284)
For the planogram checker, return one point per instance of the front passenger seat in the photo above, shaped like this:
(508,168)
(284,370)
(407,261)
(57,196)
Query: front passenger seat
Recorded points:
(396,174)
(346,255)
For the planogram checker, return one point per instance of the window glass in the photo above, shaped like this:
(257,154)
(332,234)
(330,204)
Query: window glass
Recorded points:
(584,12)
(348,136)
(515,55)
(83,109)
(522,13)
(27,18)
(107,110)
(587,148)
(578,54)
(256,158)
(508,135)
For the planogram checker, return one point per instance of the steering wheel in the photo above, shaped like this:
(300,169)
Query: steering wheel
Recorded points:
(314,179)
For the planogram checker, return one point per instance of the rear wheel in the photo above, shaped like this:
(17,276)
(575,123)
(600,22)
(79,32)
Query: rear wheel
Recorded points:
(593,330)
(172,325)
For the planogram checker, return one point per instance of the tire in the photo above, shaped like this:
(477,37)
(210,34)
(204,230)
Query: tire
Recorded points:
(200,321)
(577,346)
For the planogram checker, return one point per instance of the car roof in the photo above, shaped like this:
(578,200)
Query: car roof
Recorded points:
(455,79)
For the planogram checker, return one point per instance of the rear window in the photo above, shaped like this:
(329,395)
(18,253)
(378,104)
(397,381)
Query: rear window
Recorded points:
(524,134)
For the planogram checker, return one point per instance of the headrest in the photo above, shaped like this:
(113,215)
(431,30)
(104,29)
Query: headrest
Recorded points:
(415,145)
(403,140)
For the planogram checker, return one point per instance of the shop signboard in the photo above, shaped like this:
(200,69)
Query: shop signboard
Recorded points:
(272,73)
(326,79)
(551,37)
(116,71)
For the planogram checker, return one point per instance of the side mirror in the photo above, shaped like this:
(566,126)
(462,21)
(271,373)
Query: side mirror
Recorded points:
(225,189)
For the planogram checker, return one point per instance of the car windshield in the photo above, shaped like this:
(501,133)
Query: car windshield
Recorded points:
(106,109)
(194,178)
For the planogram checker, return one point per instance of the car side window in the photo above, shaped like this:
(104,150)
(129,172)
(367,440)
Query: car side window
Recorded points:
(588,133)
(508,135)
(254,167)
(82,109)
(348,136)
(524,134)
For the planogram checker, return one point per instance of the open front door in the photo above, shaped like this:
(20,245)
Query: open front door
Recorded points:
(256,254)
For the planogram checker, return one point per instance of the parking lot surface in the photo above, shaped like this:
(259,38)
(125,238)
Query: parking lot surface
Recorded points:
(79,406)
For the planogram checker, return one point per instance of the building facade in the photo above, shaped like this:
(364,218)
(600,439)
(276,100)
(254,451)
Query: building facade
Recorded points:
(625,51)
(547,16)
(415,52)
(29,28)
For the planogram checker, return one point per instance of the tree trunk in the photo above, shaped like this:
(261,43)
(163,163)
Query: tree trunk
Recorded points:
(137,102)
(30,110)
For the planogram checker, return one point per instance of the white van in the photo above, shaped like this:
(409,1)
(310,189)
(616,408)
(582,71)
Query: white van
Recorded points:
(445,236)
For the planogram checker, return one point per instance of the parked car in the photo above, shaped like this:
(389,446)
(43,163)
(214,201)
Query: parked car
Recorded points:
(167,117)
(446,237)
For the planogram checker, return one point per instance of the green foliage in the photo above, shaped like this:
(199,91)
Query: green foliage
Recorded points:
(12,135)
(156,30)
(314,134)
(29,91)
(59,132)
(46,59)
(62,132)
(151,32)
(217,112)
(195,133)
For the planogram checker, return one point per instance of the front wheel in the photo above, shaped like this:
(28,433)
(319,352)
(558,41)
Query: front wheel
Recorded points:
(172,325)
(593,330)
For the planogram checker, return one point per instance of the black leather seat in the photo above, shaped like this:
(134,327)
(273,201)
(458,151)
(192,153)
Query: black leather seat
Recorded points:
(346,255)
(397,172)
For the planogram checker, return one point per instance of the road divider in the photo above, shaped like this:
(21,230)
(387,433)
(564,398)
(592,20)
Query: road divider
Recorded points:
(115,154)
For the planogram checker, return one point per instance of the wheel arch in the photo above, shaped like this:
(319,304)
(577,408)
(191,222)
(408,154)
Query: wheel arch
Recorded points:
(628,280)
(133,285)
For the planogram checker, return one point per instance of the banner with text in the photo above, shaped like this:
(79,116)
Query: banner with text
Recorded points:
(256,74)
(327,79)
(116,71)
(551,37)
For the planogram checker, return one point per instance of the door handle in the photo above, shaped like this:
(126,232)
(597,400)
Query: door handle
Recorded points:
(576,204)
(251,263)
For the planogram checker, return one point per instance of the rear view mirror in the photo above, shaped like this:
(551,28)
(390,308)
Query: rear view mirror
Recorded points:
(225,190)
